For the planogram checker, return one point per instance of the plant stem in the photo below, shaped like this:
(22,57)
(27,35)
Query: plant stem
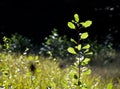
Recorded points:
(79,57)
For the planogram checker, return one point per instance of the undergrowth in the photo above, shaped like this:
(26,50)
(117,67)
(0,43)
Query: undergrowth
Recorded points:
(32,71)
(35,72)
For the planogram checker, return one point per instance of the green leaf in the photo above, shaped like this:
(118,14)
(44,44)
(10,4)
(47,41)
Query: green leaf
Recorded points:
(87,50)
(49,53)
(76,17)
(48,42)
(84,35)
(71,50)
(84,88)
(76,47)
(87,72)
(109,86)
(86,23)
(71,25)
(86,46)
(85,61)
(79,47)
(30,57)
(72,40)
(89,53)
(73,21)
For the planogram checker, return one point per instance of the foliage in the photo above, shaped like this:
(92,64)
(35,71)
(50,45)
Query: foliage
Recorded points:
(106,51)
(81,51)
(16,73)
(55,44)
(16,43)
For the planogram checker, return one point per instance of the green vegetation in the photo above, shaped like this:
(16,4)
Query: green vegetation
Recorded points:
(60,64)
(16,43)
(80,51)
(57,45)
(16,72)
(29,72)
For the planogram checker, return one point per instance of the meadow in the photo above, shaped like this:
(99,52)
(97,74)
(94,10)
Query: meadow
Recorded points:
(18,71)
(59,63)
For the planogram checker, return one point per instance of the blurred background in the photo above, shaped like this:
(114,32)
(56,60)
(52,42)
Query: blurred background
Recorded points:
(37,19)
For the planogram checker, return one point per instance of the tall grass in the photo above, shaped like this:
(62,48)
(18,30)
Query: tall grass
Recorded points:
(16,72)
(19,71)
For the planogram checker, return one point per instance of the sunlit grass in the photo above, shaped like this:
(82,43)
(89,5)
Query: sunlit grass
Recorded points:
(16,72)
(34,72)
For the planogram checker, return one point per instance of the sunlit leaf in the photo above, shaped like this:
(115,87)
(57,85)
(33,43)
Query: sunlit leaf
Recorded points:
(71,25)
(86,23)
(87,50)
(76,17)
(79,47)
(48,42)
(72,40)
(87,72)
(71,50)
(109,86)
(49,53)
(86,46)
(84,35)
(73,21)
(30,57)
(85,61)
(90,53)
(76,47)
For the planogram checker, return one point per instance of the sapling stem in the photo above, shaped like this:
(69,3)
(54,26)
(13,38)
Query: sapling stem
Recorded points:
(79,57)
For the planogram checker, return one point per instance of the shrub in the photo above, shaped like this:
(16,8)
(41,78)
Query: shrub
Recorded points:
(55,44)
(16,43)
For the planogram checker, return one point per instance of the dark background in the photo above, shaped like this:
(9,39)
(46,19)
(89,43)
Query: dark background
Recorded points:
(36,19)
